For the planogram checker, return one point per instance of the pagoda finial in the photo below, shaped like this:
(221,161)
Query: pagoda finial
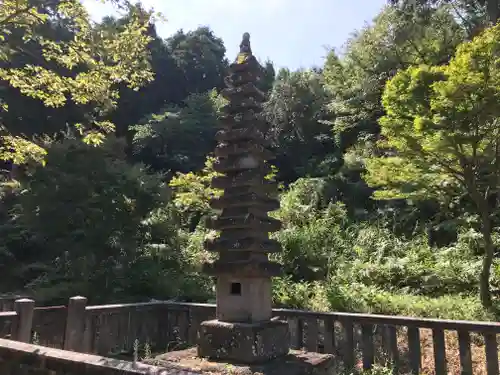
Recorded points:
(245,50)
(245,44)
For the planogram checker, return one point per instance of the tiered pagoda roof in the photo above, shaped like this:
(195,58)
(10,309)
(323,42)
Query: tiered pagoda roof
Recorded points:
(242,156)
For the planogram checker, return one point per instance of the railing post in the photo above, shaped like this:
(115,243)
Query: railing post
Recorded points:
(75,324)
(21,330)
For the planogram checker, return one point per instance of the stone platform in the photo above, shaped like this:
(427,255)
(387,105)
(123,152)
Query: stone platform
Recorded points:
(243,342)
(294,363)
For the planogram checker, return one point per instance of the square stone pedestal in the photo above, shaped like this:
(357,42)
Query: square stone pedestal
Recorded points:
(293,363)
(243,342)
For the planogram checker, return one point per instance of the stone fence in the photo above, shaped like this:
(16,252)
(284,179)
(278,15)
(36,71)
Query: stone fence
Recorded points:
(356,340)
(18,358)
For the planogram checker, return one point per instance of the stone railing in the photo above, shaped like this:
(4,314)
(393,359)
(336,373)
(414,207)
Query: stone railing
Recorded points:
(19,358)
(357,340)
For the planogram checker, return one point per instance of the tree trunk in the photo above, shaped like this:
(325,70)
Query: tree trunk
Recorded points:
(489,249)
(493,11)
(484,291)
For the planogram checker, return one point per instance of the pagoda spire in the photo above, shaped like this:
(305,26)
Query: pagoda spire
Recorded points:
(245,49)
(242,157)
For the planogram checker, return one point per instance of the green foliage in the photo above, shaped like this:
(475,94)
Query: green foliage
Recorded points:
(178,139)
(335,264)
(374,55)
(393,263)
(442,129)
(303,295)
(193,193)
(441,123)
(83,66)
(88,218)
(200,56)
(355,297)
(295,111)
(354,79)
(473,14)
(311,228)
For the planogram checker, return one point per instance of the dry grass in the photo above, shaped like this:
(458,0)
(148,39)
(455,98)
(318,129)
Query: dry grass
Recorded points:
(452,353)
(427,353)
(453,365)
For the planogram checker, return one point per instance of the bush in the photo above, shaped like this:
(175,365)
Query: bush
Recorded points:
(88,221)
(356,297)
(314,232)
(392,263)
(304,295)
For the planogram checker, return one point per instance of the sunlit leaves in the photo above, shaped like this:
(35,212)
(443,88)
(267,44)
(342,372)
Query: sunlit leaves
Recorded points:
(374,55)
(192,191)
(85,68)
(442,123)
(21,151)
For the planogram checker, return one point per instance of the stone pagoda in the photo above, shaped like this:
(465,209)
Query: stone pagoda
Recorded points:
(244,334)
(243,271)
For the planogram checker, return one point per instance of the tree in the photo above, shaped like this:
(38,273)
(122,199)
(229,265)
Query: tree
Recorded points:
(57,243)
(179,139)
(268,77)
(473,14)
(83,65)
(442,130)
(200,58)
(132,104)
(374,55)
(192,194)
(355,82)
(295,111)
(180,70)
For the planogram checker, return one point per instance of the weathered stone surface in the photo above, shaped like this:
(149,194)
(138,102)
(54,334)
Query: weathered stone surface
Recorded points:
(246,268)
(251,177)
(252,202)
(243,342)
(294,363)
(244,330)
(247,243)
(19,358)
(242,157)
(246,221)
(243,120)
(230,149)
(243,91)
(239,134)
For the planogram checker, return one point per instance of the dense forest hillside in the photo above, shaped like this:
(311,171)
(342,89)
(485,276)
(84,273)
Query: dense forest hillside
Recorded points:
(387,160)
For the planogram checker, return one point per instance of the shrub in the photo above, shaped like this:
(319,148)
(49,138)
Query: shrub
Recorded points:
(356,297)
(88,221)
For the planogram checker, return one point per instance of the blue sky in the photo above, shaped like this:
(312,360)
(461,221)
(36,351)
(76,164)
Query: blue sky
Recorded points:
(292,33)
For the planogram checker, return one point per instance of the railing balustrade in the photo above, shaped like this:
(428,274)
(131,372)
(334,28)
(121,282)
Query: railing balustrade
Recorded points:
(356,340)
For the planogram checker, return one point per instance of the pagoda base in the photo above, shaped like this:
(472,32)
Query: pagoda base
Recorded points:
(293,363)
(243,342)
